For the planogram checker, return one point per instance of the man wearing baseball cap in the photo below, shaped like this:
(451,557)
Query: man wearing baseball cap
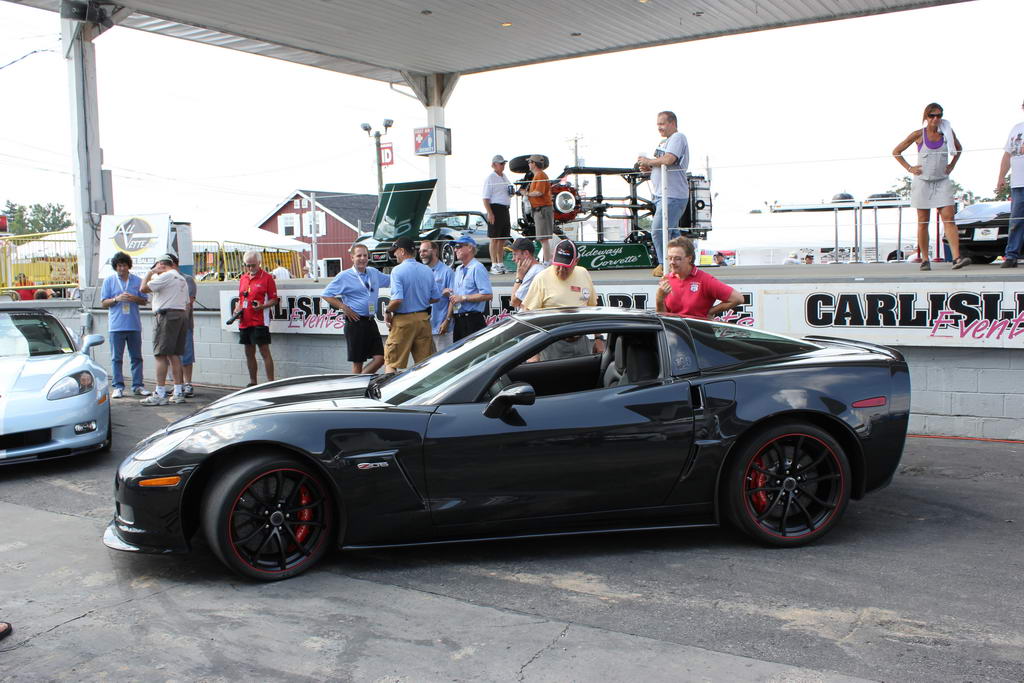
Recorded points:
(470,296)
(539,194)
(169,299)
(408,313)
(564,283)
(496,203)
(527,268)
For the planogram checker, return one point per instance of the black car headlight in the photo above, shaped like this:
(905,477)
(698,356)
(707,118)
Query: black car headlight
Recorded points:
(161,446)
(72,385)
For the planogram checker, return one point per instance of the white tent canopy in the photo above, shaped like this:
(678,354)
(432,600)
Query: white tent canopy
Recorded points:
(240,238)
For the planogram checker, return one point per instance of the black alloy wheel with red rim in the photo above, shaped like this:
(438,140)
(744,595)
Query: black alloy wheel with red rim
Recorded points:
(268,517)
(789,485)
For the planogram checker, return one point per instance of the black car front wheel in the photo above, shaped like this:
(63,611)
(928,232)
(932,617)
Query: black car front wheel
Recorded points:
(789,485)
(268,517)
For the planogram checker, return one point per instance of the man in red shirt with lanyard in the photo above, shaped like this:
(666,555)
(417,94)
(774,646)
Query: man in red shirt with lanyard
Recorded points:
(687,290)
(257,294)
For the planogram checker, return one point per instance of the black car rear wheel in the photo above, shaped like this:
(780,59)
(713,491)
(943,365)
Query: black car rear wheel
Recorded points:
(789,485)
(268,517)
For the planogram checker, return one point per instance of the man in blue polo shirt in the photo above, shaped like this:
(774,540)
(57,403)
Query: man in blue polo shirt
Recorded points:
(408,313)
(440,326)
(471,295)
(120,295)
(354,292)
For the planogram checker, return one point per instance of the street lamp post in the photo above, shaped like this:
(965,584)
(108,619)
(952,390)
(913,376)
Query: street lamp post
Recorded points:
(375,134)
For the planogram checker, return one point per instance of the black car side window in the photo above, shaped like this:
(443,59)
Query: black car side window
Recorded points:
(720,344)
(681,358)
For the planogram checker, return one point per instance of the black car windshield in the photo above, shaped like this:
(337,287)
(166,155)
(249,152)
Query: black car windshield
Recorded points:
(439,372)
(31,333)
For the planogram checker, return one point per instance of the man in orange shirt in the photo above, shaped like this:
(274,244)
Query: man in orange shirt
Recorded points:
(539,193)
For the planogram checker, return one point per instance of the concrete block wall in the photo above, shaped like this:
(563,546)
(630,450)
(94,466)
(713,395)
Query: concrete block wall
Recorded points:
(966,392)
(220,359)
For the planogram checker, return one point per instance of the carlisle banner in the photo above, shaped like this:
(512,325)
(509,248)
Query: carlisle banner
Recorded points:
(934,314)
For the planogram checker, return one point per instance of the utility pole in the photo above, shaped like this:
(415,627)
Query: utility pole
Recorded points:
(376,135)
(314,270)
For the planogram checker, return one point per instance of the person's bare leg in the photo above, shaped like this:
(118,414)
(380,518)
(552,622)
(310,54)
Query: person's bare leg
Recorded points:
(186,371)
(923,218)
(250,362)
(176,370)
(161,370)
(357,368)
(952,236)
(374,365)
(545,247)
(268,361)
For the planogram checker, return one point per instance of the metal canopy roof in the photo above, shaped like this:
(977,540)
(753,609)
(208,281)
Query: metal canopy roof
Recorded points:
(391,40)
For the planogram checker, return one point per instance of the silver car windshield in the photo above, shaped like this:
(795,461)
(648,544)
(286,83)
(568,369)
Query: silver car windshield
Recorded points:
(32,334)
(429,379)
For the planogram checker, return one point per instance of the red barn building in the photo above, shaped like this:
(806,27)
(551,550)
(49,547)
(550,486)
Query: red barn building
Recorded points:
(341,217)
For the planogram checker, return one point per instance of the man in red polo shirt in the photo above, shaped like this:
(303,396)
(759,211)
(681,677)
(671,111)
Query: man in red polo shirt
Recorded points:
(257,294)
(687,290)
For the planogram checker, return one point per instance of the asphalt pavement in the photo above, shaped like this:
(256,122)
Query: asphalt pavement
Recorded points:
(921,581)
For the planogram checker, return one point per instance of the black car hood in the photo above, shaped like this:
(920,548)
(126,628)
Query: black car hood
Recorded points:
(333,391)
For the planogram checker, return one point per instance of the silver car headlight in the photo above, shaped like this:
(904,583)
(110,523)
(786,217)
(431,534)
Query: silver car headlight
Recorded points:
(72,385)
(163,445)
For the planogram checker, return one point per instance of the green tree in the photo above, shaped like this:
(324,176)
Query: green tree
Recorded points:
(16,217)
(23,219)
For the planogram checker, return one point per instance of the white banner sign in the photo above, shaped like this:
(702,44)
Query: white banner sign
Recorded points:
(925,314)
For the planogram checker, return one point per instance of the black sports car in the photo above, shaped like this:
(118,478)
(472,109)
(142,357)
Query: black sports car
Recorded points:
(562,421)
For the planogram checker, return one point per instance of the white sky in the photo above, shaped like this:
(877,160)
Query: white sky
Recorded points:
(218,137)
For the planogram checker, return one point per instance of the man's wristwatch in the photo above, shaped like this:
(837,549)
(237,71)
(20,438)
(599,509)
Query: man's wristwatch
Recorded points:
(519,280)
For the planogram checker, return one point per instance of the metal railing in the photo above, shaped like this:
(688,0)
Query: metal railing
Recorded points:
(39,260)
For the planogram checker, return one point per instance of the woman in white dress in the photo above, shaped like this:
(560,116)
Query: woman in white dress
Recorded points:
(930,186)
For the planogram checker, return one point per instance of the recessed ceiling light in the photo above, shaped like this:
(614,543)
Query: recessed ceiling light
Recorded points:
(575,34)
(506,24)
(426,12)
(699,13)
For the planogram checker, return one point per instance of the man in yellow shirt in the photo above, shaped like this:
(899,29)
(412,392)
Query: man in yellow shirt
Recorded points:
(564,283)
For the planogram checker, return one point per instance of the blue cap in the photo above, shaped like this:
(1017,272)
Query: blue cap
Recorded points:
(465,239)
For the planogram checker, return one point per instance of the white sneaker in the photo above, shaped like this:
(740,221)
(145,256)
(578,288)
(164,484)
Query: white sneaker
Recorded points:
(141,391)
(177,398)
(117,392)
(154,400)
(189,391)
(495,269)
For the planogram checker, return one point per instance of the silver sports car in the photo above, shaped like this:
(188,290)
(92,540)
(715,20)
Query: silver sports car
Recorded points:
(54,400)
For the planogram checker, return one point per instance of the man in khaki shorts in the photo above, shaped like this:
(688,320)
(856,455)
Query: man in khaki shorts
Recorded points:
(169,298)
(413,290)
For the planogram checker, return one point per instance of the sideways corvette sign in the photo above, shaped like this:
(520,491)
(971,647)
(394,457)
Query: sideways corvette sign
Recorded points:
(932,314)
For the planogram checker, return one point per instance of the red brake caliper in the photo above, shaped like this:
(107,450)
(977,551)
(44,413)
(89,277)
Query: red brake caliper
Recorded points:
(757,480)
(305,515)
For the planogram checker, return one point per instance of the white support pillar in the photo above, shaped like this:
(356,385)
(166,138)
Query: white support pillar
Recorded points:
(91,198)
(433,91)
(435,117)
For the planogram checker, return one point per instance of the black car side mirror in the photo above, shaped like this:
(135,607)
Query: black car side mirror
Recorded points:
(517,394)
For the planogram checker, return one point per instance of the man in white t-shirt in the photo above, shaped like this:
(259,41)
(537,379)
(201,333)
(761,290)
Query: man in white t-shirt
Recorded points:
(496,203)
(672,156)
(1013,161)
(169,298)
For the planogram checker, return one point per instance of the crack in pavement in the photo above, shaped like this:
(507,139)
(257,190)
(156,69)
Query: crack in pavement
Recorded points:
(83,616)
(521,674)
